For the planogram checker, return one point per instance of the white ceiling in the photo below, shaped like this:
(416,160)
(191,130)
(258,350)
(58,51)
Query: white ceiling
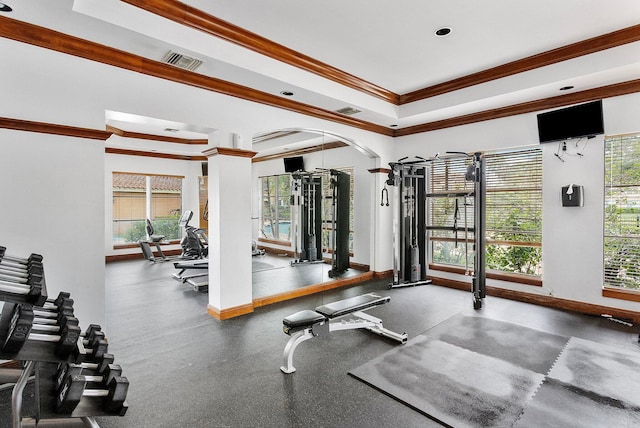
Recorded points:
(388,43)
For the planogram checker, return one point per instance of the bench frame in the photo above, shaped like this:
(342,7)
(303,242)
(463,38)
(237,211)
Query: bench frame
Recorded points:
(358,319)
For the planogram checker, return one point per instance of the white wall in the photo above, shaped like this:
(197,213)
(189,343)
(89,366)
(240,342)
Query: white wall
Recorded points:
(572,237)
(191,170)
(53,204)
(334,158)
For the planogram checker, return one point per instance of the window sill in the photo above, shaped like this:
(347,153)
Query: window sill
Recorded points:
(275,242)
(501,276)
(622,294)
(126,246)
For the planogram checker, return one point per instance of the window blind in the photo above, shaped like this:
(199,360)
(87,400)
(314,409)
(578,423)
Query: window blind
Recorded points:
(622,212)
(513,211)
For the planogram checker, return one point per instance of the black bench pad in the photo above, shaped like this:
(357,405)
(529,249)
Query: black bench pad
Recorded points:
(302,319)
(350,305)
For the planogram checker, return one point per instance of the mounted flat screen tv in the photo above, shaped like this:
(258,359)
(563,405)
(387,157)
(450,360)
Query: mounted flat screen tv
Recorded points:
(293,164)
(572,122)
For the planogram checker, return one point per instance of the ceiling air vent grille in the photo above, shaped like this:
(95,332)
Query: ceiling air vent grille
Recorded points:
(181,61)
(348,111)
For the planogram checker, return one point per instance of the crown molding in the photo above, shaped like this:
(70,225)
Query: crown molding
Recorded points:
(609,91)
(49,39)
(229,151)
(50,128)
(116,151)
(564,53)
(191,17)
(141,136)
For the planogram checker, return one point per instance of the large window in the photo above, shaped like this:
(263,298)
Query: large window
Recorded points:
(137,197)
(275,222)
(513,212)
(622,212)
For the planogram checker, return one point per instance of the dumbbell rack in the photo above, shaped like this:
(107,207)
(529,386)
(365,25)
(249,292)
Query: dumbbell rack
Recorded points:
(39,358)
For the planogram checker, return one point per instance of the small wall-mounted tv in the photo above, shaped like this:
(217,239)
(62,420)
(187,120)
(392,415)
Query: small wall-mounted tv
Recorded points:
(572,122)
(293,164)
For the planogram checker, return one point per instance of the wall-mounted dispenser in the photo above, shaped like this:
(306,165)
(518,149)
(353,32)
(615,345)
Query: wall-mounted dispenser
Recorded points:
(572,196)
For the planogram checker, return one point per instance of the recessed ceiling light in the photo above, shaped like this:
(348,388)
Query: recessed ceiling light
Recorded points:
(566,88)
(171,129)
(5,8)
(441,32)
(286,93)
(394,125)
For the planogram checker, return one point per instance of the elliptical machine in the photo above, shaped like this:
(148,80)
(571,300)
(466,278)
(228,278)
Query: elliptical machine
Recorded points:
(195,244)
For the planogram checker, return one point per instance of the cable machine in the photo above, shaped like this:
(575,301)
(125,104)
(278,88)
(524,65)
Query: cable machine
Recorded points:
(306,217)
(444,214)
(409,220)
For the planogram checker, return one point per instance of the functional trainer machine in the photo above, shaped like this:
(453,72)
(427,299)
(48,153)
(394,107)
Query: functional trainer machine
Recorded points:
(439,214)
(306,217)
(409,222)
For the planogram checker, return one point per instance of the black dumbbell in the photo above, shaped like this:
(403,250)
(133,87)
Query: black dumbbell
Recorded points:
(93,346)
(18,260)
(20,331)
(95,376)
(74,388)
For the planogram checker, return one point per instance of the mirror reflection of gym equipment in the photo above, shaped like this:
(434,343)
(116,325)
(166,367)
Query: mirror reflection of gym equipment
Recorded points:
(307,221)
(306,217)
(448,215)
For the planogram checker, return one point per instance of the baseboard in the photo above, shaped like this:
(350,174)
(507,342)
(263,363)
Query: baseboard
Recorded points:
(383,275)
(311,289)
(228,313)
(138,255)
(542,300)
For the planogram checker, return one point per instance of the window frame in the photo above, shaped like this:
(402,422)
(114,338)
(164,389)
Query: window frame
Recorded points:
(616,190)
(534,191)
(148,202)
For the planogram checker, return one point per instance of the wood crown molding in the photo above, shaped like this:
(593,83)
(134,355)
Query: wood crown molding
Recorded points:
(229,151)
(564,53)
(614,90)
(197,19)
(209,24)
(116,151)
(141,136)
(379,171)
(49,39)
(51,128)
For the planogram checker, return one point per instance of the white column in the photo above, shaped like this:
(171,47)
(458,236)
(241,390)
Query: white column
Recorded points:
(230,292)
(382,223)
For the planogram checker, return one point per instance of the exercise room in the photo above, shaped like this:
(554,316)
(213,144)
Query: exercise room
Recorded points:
(283,214)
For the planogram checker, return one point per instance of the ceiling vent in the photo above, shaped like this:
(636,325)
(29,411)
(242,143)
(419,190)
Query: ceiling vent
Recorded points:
(348,111)
(182,61)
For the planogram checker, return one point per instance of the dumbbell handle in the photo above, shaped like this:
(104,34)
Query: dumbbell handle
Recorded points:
(14,287)
(95,392)
(44,337)
(13,273)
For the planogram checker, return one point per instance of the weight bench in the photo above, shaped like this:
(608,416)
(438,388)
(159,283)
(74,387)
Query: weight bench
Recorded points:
(307,324)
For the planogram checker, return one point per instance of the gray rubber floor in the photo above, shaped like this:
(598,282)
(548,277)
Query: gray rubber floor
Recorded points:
(188,369)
